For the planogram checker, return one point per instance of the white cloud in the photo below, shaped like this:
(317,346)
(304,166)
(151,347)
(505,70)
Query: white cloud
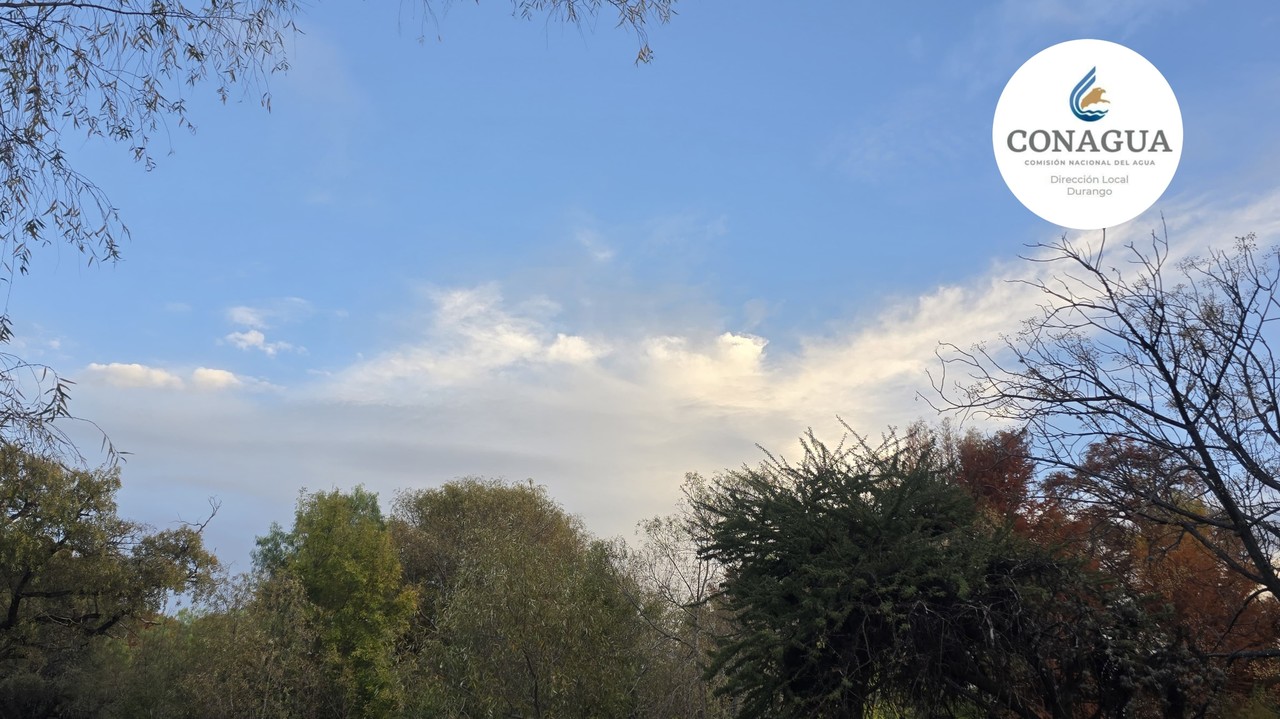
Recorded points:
(206,378)
(271,313)
(574,350)
(118,374)
(478,342)
(138,376)
(471,334)
(869,373)
(728,371)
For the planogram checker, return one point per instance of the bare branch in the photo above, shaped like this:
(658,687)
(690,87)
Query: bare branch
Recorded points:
(1172,360)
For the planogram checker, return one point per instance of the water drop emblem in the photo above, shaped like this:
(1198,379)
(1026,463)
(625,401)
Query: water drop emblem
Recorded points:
(1088,104)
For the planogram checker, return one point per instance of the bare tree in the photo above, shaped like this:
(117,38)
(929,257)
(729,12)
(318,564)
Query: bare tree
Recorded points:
(674,592)
(1170,358)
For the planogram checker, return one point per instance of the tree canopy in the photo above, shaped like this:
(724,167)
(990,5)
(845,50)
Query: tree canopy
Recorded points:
(521,609)
(341,554)
(866,579)
(1167,363)
(932,576)
(74,574)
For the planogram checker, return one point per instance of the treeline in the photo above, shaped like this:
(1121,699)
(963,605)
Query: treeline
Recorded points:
(477,598)
(931,575)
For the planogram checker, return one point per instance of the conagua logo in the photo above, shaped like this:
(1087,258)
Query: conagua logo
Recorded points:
(1087,104)
(1069,168)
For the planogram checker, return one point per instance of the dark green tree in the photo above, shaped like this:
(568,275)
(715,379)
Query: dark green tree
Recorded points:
(246,652)
(864,578)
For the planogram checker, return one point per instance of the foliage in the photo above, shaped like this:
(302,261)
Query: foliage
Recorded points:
(112,71)
(1220,612)
(73,573)
(341,554)
(997,471)
(1171,358)
(522,614)
(109,71)
(863,577)
(248,652)
(805,582)
(632,14)
(860,582)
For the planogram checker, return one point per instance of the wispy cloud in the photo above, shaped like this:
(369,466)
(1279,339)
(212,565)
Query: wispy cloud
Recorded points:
(270,313)
(594,244)
(471,335)
(256,319)
(247,316)
(255,339)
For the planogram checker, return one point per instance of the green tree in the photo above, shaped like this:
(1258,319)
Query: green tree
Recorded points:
(523,613)
(73,573)
(248,651)
(341,553)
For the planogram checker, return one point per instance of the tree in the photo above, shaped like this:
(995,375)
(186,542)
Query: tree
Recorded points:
(1170,360)
(997,471)
(73,573)
(113,71)
(118,71)
(864,578)
(247,651)
(675,592)
(341,554)
(1220,612)
(523,614)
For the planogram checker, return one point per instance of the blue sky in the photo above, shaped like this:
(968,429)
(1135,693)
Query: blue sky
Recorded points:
(506,250)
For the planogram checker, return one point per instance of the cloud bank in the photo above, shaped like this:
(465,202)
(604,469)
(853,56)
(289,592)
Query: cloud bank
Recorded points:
(610,421)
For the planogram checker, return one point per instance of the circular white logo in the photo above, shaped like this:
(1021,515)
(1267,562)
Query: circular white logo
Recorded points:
(1087,134)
